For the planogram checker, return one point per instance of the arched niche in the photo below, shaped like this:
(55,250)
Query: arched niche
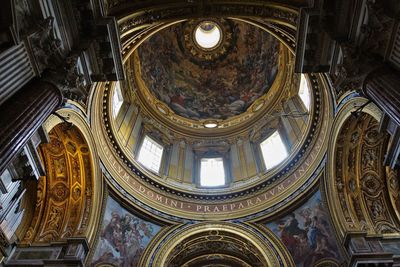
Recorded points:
(216,244)
(69,197)
(358,184)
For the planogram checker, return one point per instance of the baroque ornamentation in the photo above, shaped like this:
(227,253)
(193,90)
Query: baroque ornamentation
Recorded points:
(361,179)
(243,243)
(62,210)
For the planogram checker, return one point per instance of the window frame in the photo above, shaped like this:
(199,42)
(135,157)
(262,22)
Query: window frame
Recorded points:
(198,156)
(139,148)
(223,166)
(308,89)
(260,151)
(117,91)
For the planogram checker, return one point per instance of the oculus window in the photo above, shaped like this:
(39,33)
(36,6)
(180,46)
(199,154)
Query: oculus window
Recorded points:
(207,35)
(117,100)
(273,150)
(212,172)
(304,92)
(150,154)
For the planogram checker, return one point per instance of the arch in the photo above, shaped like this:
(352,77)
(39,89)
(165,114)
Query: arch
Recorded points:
(219,243)
(68,198)
(357,182)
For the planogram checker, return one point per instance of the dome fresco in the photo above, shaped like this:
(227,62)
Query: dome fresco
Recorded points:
(217,86)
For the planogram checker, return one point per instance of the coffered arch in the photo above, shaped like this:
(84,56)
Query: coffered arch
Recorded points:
(358,185)
(220,243)
(69,195)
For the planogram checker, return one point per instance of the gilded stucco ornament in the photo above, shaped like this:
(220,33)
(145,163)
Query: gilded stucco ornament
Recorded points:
(68,200)
(69,170)
(358,198)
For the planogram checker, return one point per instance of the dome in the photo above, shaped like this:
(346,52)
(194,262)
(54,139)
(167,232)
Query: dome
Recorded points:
(215,123)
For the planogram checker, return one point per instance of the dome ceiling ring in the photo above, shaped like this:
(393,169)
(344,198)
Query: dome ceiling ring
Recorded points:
(184,204)
(207,29)
(224,196)
(216,194)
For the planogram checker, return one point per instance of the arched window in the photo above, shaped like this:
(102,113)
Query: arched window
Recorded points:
(273,150)
(150,154)
(117,100)
(304,92)
(212,172)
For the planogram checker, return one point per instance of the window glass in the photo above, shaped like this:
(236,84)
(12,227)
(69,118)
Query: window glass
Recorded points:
(150,154)
(212,172)
(273,150)
(6,178)
(304,92)
(207,35)
(117,100)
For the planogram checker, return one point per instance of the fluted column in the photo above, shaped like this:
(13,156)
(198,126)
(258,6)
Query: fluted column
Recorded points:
(16,70)
(22,114)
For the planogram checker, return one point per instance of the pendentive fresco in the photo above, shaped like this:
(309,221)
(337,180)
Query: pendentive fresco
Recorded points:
(123,237)
(307,233)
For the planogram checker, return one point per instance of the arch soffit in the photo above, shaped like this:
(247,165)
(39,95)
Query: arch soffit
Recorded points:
(271,251)
(76,117)
(358,200)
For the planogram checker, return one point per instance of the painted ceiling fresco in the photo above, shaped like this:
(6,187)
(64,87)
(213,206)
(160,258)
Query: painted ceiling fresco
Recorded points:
(218,89)
(308,234)
(123,237)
